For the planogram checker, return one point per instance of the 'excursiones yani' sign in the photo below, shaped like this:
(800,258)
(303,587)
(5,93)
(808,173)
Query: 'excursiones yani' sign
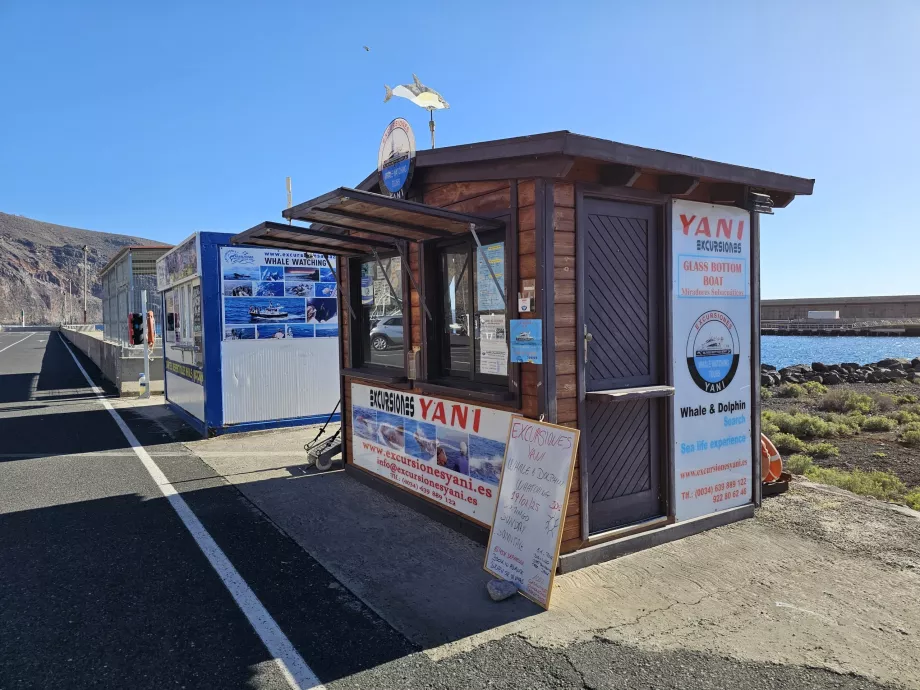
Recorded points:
(447,451)
(711,357)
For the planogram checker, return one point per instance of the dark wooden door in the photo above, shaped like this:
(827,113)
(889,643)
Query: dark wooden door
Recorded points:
(621,293)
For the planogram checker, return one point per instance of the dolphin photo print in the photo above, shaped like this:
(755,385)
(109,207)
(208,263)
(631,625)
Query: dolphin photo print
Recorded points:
(237,288)
(250,273)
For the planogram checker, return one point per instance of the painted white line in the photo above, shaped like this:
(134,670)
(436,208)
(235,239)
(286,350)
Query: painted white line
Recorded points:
(17,342)
(295,670)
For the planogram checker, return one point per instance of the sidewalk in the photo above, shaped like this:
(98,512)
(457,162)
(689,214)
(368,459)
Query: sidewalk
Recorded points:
(818,579)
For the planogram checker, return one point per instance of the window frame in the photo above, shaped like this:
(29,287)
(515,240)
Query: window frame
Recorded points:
(357,364)
(491,387)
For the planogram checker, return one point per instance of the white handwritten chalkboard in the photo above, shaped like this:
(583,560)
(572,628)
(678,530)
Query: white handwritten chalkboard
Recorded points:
(532,497)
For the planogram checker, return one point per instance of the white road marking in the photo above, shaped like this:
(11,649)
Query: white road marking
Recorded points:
(17,342)
(295,670)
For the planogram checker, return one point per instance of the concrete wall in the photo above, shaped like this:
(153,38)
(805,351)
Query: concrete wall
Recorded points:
(120,365)
(894,307)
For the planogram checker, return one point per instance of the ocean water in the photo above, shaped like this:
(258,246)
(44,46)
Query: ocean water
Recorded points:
(783,351)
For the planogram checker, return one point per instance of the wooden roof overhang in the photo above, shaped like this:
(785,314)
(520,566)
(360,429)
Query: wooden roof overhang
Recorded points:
(570,157)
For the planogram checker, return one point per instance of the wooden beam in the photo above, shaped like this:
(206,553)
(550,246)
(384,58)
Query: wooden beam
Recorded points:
(677,185)
(727,193)
(616,175)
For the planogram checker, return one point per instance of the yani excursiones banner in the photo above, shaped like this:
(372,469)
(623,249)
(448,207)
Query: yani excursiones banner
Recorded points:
(447,451)
(711,326)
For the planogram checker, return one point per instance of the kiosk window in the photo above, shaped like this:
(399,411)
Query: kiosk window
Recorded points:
(379,334)
(473,344)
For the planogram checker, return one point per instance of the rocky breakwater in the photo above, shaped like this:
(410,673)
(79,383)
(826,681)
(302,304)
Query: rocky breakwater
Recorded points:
(884,371)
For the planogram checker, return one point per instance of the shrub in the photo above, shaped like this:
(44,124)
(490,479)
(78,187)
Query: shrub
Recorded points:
(879,454)
(846,401)
(765,394)
(815,388)
(912,499)
(809,426)
(910,426)
(907,399)
(882,485)
(823,450)
(879,424)
(882,402)
(843,430)
(854,421)
(903,416)
(790,390)
(798,463)
(768,428)
(910,438)
(787,443)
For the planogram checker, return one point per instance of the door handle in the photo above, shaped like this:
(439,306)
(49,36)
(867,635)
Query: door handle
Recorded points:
(588,338)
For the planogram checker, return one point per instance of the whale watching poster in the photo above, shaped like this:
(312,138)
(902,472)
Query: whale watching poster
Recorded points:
(277,294)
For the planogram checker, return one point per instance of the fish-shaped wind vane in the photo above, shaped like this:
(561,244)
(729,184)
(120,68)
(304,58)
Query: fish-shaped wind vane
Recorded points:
(419,94)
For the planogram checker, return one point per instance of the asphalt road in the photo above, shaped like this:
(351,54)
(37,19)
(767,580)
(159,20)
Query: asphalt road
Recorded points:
(103,586)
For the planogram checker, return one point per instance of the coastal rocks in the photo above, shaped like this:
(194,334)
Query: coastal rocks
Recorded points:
(884,371)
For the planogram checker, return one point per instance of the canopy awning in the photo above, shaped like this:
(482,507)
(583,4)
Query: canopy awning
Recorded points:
(312,239)
(355,213)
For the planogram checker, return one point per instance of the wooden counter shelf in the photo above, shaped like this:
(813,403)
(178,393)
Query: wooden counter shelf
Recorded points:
(623,394)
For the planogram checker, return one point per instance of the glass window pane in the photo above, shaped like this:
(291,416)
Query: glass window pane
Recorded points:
(382,336)
(491,338)
(457,278)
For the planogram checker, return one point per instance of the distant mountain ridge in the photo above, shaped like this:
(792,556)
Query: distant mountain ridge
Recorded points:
(36,261)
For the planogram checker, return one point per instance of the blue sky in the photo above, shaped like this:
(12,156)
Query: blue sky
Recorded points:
(159,119)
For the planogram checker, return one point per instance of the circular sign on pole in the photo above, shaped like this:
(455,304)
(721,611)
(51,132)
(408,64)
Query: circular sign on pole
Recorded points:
(396,158)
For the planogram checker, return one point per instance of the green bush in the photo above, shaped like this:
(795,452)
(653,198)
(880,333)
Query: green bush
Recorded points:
(903,416)
(798,463)
(846,401)
(910,438)
(910,426)
(883,402)
(879,424)
(912,499)
(790,390)
(843,430)
(879,454)
(882,485)
(852,420)
(787,443)
(765,394)
(768,428)
(823,450)
(815,388)
(810,426)
(907,399)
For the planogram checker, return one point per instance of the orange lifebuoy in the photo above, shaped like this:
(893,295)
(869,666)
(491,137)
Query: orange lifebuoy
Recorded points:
(771,463)
(151,332)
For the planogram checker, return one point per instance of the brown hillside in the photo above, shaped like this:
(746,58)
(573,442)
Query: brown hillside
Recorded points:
(36,261)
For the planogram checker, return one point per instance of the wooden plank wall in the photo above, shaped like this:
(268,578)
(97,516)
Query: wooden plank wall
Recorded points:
(527,270)
(566,342)
(487,198)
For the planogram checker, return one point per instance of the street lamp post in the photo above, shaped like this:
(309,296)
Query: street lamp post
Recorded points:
(85,250)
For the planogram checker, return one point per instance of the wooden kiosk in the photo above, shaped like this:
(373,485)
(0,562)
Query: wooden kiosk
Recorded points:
(642,267)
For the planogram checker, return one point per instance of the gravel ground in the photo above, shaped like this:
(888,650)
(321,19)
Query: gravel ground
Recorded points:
(857,452)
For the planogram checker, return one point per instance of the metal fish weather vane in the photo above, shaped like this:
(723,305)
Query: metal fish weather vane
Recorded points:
(422,96)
